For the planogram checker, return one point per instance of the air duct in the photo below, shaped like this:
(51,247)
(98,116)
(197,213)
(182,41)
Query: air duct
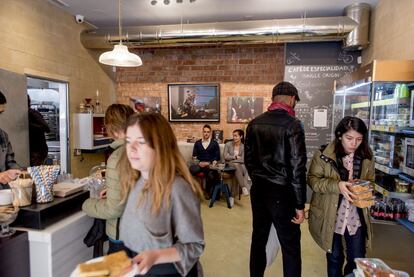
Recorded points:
(261,31)
(359,38)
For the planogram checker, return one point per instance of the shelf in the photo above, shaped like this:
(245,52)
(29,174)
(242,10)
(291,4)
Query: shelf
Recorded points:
(392,194)
(376,103)
(386,128)
(384,222)
(406,177)
(386,169)
(407,224)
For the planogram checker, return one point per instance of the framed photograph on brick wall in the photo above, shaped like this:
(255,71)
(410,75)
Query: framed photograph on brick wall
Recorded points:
(146,104)
(243,109)
(194,102)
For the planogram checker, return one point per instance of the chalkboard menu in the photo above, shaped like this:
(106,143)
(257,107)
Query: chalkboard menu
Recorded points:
(312,68)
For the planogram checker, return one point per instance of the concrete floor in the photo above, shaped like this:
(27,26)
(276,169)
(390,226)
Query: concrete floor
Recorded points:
(228,235)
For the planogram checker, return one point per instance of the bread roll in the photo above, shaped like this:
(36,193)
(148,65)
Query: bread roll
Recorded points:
(93,269)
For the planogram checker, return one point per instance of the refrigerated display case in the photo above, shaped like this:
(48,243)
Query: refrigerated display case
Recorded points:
(381,95)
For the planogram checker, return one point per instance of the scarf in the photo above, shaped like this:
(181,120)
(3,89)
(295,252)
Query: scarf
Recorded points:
(281,106)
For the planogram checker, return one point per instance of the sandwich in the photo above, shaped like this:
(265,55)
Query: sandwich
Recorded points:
(117,262)
(112,265)
(97,269)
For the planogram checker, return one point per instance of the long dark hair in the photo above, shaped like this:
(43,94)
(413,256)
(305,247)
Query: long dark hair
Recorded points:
(353,123)
(240,132)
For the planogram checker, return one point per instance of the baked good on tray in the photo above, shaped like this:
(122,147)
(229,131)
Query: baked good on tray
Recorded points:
(112,265)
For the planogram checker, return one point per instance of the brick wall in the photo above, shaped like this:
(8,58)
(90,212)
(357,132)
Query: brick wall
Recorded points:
(246,70)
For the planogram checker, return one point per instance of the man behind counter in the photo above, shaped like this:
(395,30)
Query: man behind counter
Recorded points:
(8,166)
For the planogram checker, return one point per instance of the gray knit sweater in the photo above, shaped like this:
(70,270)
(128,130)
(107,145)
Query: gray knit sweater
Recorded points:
(179,225)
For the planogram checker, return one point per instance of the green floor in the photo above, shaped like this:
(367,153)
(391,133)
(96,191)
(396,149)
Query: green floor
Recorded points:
(227,235)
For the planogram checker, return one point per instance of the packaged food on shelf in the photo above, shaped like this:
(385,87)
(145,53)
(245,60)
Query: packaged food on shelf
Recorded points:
(401,186)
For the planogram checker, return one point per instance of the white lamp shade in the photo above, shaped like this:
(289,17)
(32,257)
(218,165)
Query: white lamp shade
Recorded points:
(120,56)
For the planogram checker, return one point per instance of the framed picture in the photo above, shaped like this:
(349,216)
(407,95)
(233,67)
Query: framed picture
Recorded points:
(218,136)
(198,102)
(243,109)
(146,104)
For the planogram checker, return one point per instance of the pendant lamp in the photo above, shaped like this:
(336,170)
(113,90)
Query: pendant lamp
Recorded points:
(120,56)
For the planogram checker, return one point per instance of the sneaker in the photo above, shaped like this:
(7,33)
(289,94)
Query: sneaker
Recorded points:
(231,199)
(245,191)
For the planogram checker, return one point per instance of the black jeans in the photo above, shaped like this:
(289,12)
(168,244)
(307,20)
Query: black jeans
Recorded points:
(274,205)
(355,248)
(162,270)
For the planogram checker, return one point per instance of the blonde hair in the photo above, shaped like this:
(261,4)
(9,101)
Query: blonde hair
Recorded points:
(168,162)
(116,117)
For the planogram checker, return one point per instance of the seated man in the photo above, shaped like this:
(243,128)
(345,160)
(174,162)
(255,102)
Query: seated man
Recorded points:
(206,151)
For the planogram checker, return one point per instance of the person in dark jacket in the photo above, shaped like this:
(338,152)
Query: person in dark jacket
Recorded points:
(9,170)
(275,158)
(206,151)
(37,140)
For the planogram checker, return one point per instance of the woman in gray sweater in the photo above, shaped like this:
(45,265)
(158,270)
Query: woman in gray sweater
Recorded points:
(161,225)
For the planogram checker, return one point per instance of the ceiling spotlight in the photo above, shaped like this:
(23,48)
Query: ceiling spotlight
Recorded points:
(192,1)
(179,1)
(166,2)
(154,2)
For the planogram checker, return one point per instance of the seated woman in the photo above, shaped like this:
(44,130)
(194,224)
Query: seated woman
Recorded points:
(161,224)
(234,156)
(332,216)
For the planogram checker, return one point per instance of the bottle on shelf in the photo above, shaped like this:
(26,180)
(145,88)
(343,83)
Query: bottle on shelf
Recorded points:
(397,91)
(98,107)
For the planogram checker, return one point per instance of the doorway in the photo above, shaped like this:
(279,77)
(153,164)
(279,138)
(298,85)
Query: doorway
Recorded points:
(49,98)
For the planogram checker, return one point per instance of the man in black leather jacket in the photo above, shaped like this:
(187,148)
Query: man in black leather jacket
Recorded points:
(275,157)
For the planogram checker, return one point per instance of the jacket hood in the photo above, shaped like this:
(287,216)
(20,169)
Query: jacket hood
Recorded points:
(329,151)
(117,143)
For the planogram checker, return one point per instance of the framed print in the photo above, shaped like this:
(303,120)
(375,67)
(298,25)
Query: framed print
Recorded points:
(146,104)
(244,109)
(194,102)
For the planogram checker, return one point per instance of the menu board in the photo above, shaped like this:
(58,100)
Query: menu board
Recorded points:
(312,68)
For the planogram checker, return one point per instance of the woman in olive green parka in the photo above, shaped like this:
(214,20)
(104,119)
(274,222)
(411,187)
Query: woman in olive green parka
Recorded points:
(332,217)
(109,207)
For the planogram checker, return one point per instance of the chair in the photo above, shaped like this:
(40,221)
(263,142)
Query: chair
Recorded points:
(202,180)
